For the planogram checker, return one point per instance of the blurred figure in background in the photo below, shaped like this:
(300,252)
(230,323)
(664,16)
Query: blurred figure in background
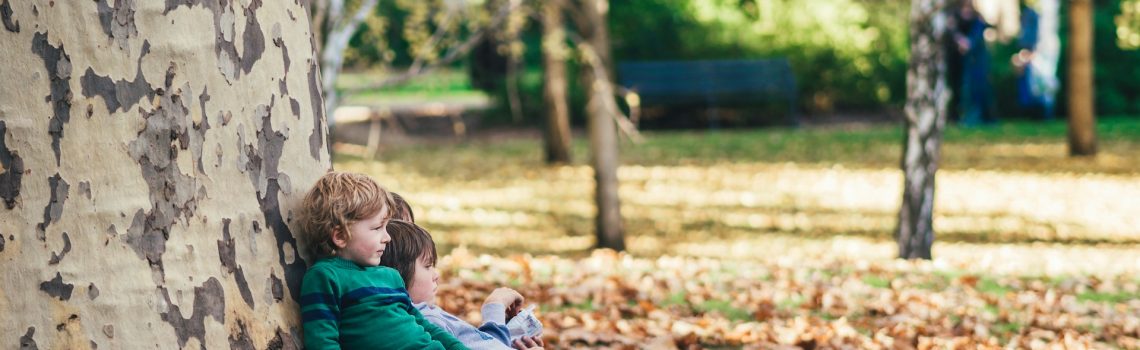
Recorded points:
(1036,63)
(975,102)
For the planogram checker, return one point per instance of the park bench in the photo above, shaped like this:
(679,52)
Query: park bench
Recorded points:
(713,84)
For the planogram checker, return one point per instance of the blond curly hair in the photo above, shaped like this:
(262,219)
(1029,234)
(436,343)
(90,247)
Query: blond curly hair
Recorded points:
(338,200)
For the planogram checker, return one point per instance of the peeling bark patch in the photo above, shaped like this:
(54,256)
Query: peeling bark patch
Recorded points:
(66,248)
(54,208)
(118,94)
(118,22)
(85,189)
(226,248)
(295,107)
(253,40)
(243,288)
(148,244)
(241,340)
(57,288)
(10,24)
(28,341)
(231,64)
(197,143)
(227,255)
(58,65)
(317,138)
(262,169)
(278,42)
(92,291)
(173,196)
(278,342)
(275,288)
(13,173)
(209,300)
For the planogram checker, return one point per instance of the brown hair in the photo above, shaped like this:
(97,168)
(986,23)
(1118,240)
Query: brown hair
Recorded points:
(409,244)
(403,209)
(338,200)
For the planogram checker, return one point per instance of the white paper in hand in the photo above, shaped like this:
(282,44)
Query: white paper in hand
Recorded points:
(525,324)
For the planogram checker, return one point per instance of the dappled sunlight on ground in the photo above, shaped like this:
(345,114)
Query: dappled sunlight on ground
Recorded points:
(693,203)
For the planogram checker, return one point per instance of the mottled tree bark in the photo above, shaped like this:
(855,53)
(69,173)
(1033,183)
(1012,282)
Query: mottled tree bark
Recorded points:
(1082,114)
(557,135)
(927,98)
(603,130)
(151,154)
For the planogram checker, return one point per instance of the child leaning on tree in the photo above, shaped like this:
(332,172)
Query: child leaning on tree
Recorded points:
(347,300)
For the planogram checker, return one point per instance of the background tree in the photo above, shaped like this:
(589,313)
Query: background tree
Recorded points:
(554,53)
(927,97)
(590,20)
(151,156)
(1082,116)
(342,23)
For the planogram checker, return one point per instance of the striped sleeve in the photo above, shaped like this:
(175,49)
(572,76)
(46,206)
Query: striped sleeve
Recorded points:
(320,310)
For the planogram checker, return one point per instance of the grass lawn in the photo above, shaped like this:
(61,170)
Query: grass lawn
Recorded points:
(777,236)
(444,85)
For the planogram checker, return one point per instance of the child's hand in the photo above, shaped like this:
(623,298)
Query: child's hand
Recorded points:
(528,343)
(508,297)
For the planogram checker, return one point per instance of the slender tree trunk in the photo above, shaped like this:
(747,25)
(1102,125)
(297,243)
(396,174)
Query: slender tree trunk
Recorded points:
(927,97)
(341,28)
(1082,115)
(148,184)
(603,131)
(557,136)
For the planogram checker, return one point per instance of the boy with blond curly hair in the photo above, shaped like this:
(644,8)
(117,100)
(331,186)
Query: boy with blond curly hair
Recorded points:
(347,300)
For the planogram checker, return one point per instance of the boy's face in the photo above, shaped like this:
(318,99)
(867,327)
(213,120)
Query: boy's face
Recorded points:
(425,282)
(369,239)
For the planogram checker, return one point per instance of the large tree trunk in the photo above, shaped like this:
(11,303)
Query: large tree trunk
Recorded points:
(557,135)
(1082,116)
(603,130)
(927,98)
(152,153)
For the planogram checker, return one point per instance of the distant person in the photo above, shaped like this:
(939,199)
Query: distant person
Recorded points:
(347,300)
(975,102)
(412,252)
(1036,62)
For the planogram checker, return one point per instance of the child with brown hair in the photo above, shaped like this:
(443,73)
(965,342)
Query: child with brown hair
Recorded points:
(347,300)
(412,252)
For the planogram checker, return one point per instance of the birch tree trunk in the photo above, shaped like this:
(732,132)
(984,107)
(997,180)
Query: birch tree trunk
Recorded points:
(151,154)
(1082,114)
(927,98)
(557,135)
(603,130)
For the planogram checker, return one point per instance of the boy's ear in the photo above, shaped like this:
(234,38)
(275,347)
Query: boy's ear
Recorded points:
(339,238)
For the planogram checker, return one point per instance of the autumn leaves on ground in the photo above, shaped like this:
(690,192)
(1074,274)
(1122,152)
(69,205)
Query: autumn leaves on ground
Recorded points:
(782,238)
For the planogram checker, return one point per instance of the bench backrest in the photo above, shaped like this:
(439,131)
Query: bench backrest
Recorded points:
(713,82)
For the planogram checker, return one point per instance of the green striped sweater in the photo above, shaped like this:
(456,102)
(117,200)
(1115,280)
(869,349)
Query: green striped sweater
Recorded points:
(345,306)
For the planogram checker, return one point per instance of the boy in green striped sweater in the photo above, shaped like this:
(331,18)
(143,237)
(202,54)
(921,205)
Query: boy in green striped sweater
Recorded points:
(347,300)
